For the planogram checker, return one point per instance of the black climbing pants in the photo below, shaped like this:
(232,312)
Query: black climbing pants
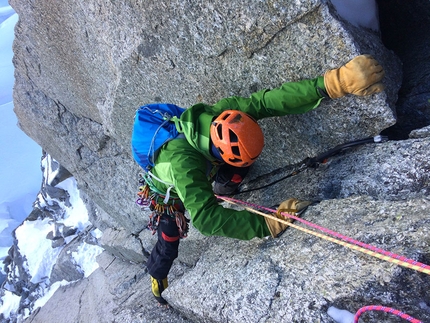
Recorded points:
(165,250)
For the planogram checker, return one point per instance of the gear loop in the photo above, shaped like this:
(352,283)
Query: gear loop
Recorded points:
(155,201)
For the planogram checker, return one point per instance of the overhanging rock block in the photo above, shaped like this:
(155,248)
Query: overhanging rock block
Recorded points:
(82,69)
(232,50)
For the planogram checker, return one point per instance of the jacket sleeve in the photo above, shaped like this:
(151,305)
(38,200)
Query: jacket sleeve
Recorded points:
(289,98)
(188,171)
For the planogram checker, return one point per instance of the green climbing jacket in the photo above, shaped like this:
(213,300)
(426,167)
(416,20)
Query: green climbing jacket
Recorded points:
(186,163)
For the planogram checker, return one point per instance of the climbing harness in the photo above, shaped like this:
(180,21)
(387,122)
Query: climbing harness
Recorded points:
(181,221)
(384,309)
(160,204)
(347,241)
(314,162)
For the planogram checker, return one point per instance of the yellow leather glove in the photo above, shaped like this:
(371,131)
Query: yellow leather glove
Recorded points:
(360,76)
(158,286)
(292,206)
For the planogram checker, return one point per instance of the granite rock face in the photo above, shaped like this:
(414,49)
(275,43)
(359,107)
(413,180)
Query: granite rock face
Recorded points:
(82,69)
(296,277)
(372,170)
(291,279)
(115,292)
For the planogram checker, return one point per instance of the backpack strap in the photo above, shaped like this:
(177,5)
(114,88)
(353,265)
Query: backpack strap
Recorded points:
(178,124)
(148,176)
(151,150)
(170,186)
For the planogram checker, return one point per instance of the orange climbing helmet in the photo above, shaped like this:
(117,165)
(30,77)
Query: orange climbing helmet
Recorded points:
(237,137)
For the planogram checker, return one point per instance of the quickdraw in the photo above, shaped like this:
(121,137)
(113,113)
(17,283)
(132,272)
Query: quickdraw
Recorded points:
(156,202)
(181,222)
(314,162)
(154,221)
(149,194)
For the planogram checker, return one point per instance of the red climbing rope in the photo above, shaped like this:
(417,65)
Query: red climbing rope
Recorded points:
(384,309)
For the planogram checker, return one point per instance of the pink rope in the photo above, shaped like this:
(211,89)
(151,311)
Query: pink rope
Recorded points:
(335,234)
(350,240)
(384,309)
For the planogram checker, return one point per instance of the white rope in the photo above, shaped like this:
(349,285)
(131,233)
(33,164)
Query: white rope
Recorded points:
(170,186)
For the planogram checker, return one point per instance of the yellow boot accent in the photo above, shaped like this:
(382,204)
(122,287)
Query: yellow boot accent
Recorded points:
(158,286)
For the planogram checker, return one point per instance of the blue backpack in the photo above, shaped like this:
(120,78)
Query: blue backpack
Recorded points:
(154,125)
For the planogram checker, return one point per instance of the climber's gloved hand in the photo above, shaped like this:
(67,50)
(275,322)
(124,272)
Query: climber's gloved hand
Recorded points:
(158,286)
(292,206)
(360,76)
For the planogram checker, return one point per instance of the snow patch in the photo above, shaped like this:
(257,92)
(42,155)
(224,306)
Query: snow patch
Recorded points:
(360,13)
(40,256)
(85,258)
(77,214)
(340,316)
(10,304)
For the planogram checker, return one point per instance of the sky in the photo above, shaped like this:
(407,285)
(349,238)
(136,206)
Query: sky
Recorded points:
(362,13)
(20,173)
(20,182)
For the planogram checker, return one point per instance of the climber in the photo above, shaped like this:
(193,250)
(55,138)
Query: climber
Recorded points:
(219,144)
